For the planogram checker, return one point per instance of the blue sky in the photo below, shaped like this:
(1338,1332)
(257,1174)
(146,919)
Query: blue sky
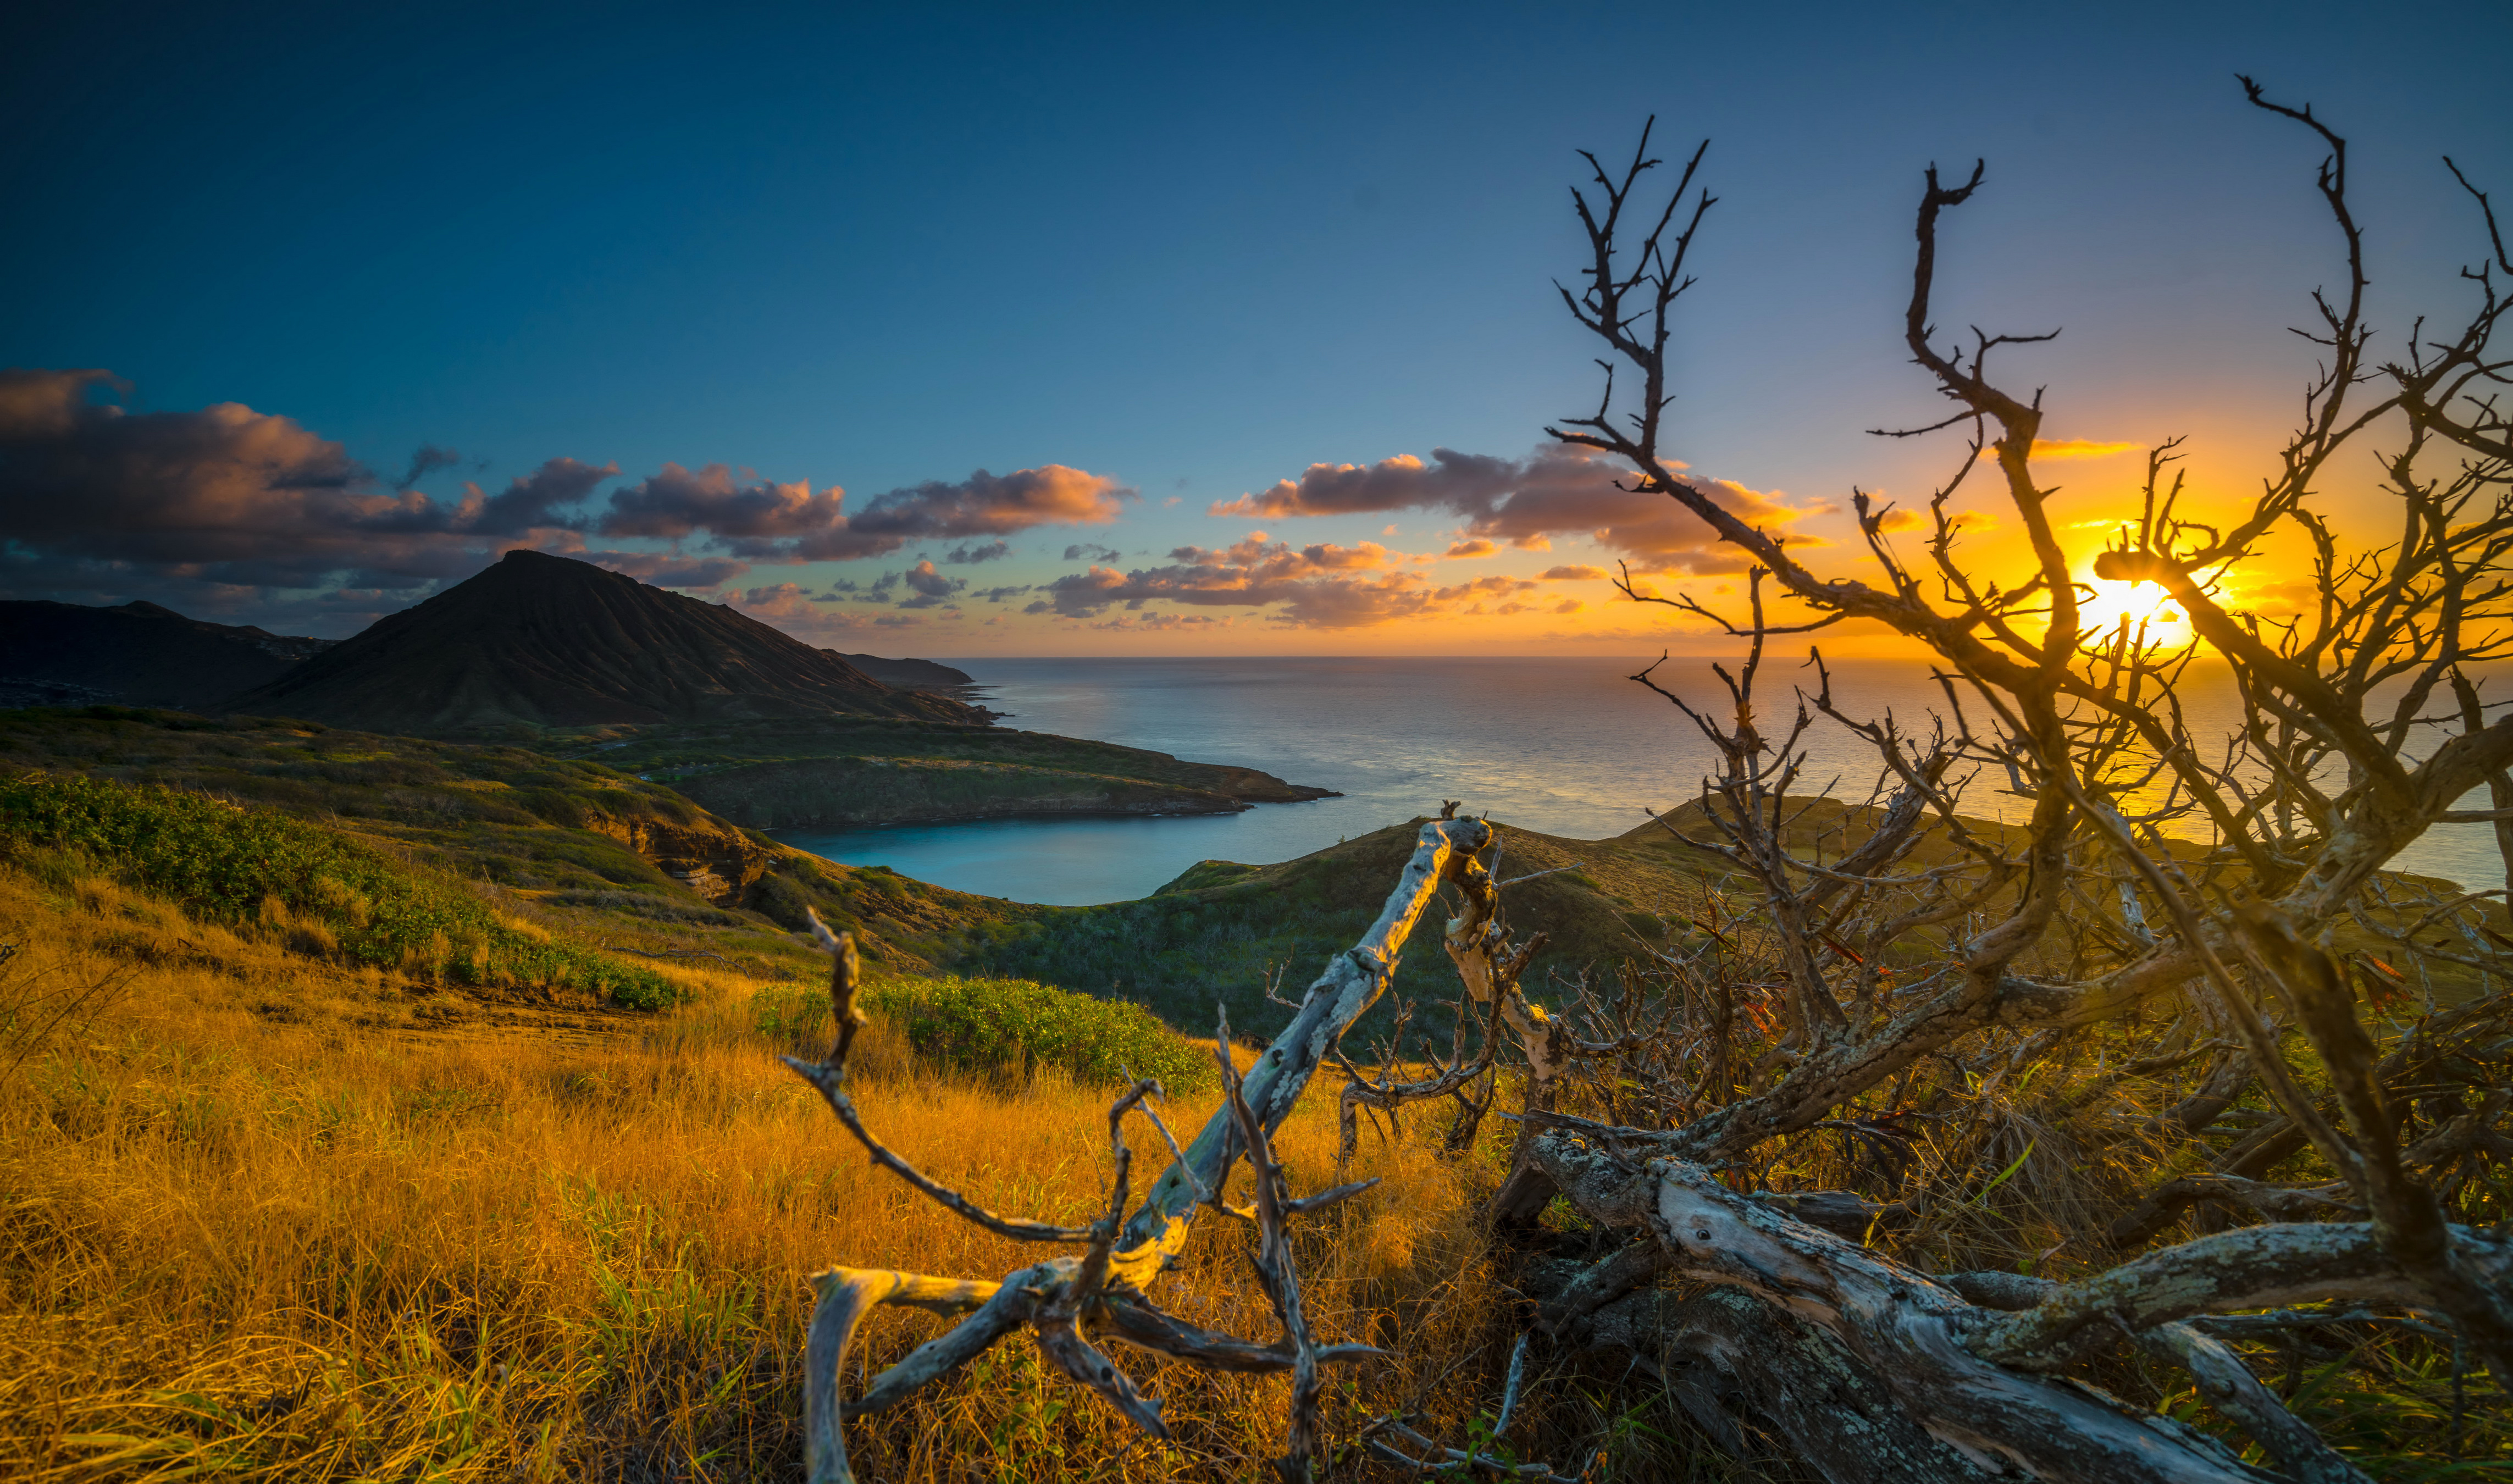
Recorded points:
(1189,254)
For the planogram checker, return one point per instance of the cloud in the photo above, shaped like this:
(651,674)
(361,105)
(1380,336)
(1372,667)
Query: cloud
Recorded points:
(789,608)
(999,594)
(1085,551)
(1574,574)
(1526,502)
(931,588)
(1316,586)
(1568,605)
(2071,448)
(1154,622)
(221,498)
(427,461)
(764,520)
(1483,587)
(1476,547)
(1899,519)
(982,505)
(530,502)
(678,503)
(253,517)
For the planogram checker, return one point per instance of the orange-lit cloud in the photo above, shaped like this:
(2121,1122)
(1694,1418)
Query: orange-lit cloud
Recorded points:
(231,496)
(1525,502)
(227,504)
(1312,586)
(1468,549)
(764,520)
(1574,574)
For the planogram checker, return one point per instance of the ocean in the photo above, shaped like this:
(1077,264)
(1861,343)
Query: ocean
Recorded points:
(1566,747)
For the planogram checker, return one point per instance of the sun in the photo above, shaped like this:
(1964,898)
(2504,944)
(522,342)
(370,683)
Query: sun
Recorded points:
(2152,617)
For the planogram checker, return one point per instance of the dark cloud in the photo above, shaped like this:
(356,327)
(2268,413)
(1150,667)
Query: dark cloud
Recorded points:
(204,505)
(1526,502)
(242,513)
(224,496)
(763,520)
(1313,586)
(999,594)
(931,588)
(1087,552)
(530,502)
(427,461)
(678,503)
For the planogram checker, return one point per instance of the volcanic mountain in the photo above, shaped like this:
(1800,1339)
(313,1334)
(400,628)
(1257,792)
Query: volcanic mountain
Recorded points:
(548,641)
(137,654)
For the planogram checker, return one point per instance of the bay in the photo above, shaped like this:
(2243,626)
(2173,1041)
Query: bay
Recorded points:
(1563,745)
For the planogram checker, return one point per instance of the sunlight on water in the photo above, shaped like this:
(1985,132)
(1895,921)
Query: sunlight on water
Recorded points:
(1567,746)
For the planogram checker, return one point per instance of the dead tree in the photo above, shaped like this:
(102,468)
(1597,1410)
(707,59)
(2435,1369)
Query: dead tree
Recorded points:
(1072,1303)
(2158,872)
(2158,927)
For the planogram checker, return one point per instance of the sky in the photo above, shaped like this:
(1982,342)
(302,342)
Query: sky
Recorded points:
(967,331)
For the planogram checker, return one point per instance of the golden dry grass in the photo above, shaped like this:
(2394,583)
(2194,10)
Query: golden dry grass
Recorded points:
(260,1223)
(265,1218)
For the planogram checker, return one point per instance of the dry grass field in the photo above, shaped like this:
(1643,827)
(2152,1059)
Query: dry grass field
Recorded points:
(263,1221)
(265,1215)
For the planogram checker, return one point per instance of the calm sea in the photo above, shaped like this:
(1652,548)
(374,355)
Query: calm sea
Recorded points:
(1567,746)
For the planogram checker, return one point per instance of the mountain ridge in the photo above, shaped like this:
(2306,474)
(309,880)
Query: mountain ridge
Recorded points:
(138,652)
(545,641)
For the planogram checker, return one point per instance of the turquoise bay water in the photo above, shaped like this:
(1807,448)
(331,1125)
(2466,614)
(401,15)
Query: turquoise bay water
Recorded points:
(1567,746)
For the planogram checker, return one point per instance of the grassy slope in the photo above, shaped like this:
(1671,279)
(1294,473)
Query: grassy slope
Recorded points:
(579,847)
(277,1212)
(257,1221)
(583,847)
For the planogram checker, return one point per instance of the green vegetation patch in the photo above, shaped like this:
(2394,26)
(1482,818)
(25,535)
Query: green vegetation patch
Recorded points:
(1014,1024)
(1004,1025)
(330,894)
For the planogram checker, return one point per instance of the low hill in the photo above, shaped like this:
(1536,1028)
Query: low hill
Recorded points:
(859,771)
(601,855)
(137,654)
(548,641)
(1220,930)
(909,674)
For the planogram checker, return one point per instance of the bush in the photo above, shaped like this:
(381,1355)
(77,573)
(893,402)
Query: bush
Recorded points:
(230,864)
(1016,1026)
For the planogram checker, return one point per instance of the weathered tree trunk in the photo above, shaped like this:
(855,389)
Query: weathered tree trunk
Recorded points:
(1978,1377)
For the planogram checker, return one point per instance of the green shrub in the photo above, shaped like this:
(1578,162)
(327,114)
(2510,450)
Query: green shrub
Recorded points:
(236,865)
(796,1016)
(1016,1026)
